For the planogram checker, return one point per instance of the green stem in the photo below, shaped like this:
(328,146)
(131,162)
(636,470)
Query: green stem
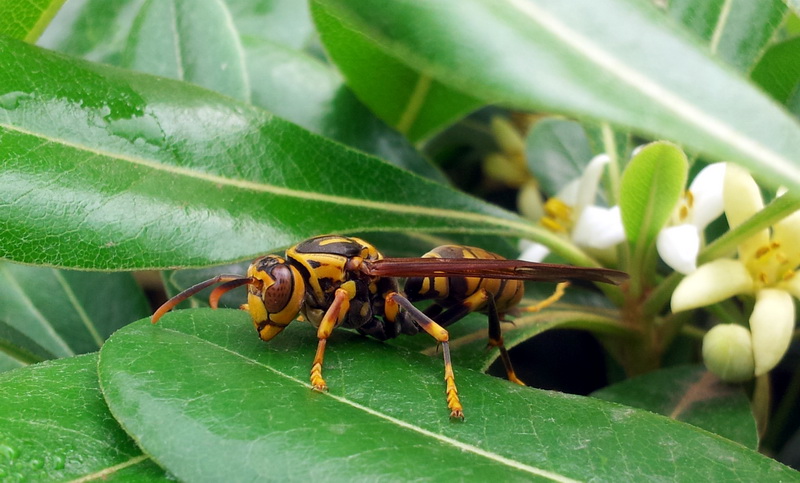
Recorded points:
(661,295)
(611,148)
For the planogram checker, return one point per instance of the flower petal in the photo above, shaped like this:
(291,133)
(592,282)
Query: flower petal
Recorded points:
(786,233)
(707,189)
(728,352)
(711,283)
(598,228)
(679,246)
(771,324)
(590,180)
(532,251)
(741,196)
(742,199)
(791,285)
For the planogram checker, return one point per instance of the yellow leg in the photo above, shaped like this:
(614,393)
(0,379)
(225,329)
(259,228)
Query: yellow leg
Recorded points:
(333,317)
(557,294)
(393,302)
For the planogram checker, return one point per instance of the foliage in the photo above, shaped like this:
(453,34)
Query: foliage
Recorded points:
(148,135)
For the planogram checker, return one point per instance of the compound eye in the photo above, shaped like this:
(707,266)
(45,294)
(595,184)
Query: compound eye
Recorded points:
(278,295)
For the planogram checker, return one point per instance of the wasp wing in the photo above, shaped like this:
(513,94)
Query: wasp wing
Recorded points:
(491,268)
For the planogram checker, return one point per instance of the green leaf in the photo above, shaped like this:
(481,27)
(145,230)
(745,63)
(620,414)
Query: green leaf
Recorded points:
(651,186)
(26,20)
(283,22)
(205,397)
(412,101)
(737,30)
(304,90)
(557,152)
(778,72)
(107,169)
(280,78)
(202,46)
(67,312)
(18,350)
(693,395)
(539,55)
(56,427)
(95,30)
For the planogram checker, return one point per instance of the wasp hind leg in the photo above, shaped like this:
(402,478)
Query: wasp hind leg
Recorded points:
(394,301)
(333,317)
(477,301)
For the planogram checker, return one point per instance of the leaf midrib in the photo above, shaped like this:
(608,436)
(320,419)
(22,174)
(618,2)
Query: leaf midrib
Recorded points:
(398,422)
(289,192)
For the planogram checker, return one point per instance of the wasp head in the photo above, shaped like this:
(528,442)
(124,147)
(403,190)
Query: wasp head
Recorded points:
(274,296)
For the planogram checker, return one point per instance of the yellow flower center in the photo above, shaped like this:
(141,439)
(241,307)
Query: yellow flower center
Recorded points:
(770,265)
(557,216)
(685,206)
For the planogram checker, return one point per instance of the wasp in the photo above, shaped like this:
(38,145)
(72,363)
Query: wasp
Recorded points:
(337,281)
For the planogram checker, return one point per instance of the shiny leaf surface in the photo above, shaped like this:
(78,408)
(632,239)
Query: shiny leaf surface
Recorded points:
(66,312)
(304,90)
(249,50)
(56,427)
(738,30)
(191,40)
(410,100)
(651,186)
(557,152)
(105,168)
(26,20)
(205,397)
(693,395)
(540,55)
(778,72)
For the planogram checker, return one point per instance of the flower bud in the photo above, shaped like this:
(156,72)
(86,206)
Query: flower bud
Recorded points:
(728,352)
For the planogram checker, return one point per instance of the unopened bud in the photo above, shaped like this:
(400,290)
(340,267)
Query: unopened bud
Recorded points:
(728,352)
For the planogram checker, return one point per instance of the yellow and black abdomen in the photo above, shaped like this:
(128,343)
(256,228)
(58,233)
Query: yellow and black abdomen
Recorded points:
(452,290)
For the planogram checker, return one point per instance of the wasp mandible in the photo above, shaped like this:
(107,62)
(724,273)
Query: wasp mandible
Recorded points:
(337,281)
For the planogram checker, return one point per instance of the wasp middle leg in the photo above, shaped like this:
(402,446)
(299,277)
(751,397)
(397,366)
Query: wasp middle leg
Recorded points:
(393,302)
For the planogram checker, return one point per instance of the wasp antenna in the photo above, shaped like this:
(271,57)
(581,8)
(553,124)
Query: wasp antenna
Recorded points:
(171,303)
(213,299)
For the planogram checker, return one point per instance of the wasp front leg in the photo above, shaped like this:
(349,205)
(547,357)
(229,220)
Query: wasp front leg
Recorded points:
(393,302)
(332,318)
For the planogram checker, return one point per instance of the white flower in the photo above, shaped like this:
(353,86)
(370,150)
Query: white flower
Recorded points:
(766,268)
(573,212)
(680,243)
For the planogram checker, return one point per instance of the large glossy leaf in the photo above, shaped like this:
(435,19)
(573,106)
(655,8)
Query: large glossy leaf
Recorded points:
(92,29)
(619,60)
(26,20)
(557,152)
(778,72)
(283,22)
(304,90)
(191,40)
(265,36)
(693,395)
(18,350)
(56,427)
(410,100)
(66,312)
(106,168)
(207,399)
(738,30)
